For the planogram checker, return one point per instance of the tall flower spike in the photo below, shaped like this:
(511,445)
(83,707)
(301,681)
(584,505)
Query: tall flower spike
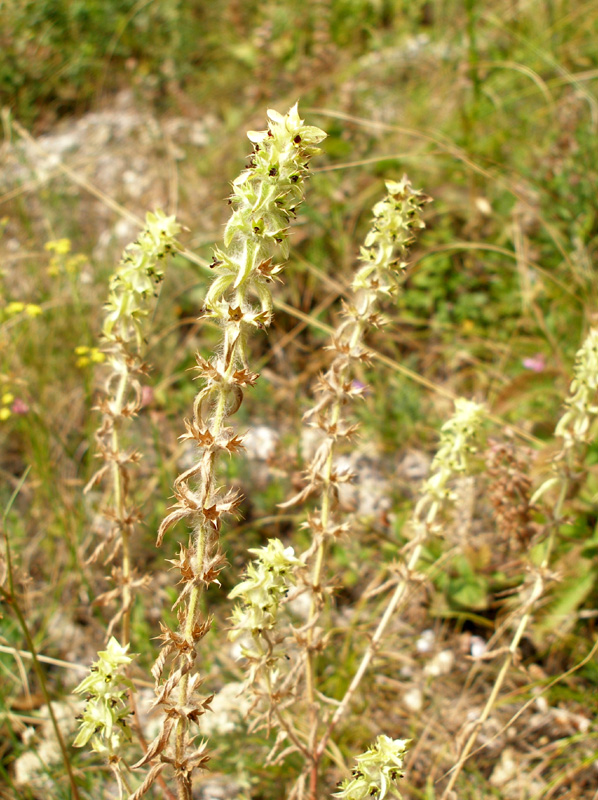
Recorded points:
(265,199)
(395,217)
(382,263)
(457,442)
(130,299)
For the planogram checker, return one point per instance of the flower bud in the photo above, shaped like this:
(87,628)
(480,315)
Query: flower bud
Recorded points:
(376,772)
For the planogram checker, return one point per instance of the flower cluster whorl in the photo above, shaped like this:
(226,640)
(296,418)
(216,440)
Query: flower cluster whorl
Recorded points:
(457,444)
(396,216)
(104,718)
(266,583)
(265,198)
(383,255)
(376,772)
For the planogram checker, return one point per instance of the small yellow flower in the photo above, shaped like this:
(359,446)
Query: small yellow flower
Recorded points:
(89,355)
(7,398)
(16,307)
(5,413)
(74,263)
(33,310)
(54,267)
(59,246)
(97,355)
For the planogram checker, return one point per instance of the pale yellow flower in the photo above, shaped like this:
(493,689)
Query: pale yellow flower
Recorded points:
(59,246)
(33,310)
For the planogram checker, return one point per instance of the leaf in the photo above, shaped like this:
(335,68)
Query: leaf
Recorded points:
(470,592)
(561,613)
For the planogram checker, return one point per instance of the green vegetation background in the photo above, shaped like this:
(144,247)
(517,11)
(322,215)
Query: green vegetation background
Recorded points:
(491,108)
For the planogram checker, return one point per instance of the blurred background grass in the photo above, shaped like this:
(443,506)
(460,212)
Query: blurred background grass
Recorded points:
(110,108)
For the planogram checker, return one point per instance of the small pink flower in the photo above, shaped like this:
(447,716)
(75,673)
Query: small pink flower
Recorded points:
(536,363)
(19,406)
(359,388)
(147,395)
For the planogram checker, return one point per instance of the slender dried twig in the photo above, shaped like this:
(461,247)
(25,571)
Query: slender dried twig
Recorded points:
(132,288)
(383,263)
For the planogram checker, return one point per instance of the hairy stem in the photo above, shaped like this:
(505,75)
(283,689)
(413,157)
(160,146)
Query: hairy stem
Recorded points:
(378,276)
(120,506)
(264,200)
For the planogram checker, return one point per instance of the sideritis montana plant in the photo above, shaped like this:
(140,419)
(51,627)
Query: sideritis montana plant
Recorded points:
(130,299)
(265,199)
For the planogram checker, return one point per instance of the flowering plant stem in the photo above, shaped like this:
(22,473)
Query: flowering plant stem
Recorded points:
(119,504)
(395,218)
(132,288)
(265,198)
(395,600)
